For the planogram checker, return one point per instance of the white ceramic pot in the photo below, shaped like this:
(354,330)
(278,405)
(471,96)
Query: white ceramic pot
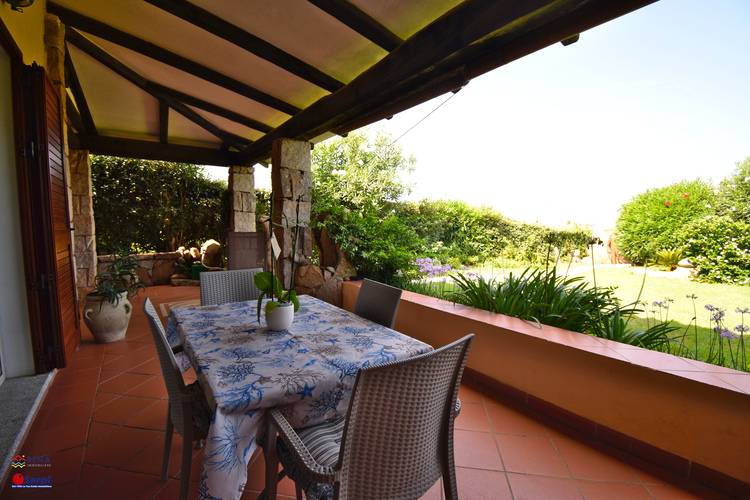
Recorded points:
(107,322)
(280,318)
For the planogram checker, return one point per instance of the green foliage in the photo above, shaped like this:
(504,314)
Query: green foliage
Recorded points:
(456,233)
(614,326)
(158,206)
(538,295)
(120,278)
(355,184)
(719,248)
(733,199)
(668,258)
(270,286)
(652,221)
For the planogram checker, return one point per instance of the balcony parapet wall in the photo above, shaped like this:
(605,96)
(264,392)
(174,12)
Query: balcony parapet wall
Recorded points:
(686,416)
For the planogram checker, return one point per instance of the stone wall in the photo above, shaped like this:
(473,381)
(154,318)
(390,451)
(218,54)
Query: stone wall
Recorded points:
(156,268)
(242,196)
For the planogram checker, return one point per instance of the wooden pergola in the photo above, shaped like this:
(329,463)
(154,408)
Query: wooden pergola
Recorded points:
(216,81)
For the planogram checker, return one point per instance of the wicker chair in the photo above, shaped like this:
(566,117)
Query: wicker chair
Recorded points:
(188,411)
(378,302)
(220,287)
(395,442)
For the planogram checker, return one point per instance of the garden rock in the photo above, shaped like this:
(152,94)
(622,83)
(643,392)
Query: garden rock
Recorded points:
(331,291)
(211,253)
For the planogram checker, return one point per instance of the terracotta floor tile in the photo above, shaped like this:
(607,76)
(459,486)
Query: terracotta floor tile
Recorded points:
(604,490)
(77,363)
(98,430)
(470,392)
(154,417)
(473,417)
(119,446)
(526,487)
(66,378)
(91,476)
(108,375)
(54,439)
(123,383)
(558,430)
(63,414)
(66,465)
(531,455)
(125,348)
(150,367)
(478,484)
(154,388)
(121,409)
(71,393)
(127,485)
(476,450)
(172,490)
(516,420)
(649,473)
(126,362)
(103,399)
(149,460)
(434,493)
(591,461)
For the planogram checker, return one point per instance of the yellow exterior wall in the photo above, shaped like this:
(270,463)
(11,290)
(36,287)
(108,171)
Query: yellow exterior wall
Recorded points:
(27,29)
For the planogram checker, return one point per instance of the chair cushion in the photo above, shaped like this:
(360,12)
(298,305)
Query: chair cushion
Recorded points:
(323,441)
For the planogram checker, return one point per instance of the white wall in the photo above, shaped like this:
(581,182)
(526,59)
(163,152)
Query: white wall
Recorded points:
(15,339)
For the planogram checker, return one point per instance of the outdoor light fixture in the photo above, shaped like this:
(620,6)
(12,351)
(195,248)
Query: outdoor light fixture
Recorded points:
(569,40)
(19,4)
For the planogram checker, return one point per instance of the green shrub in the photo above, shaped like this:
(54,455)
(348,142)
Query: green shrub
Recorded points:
(719,248)
(654,220)
(733,199)
(536,295)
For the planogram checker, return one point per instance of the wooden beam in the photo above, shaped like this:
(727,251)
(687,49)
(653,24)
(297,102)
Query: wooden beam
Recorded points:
(461,26)
(74,117)
(223,29)
(153,51)
(166,92)
(163,121)
(365,95)
(360,22)
(111,62)
(75,88)
(146,150)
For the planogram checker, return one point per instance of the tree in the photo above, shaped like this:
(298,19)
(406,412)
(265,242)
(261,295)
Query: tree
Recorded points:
(155,205)
(733,199)
(653,221)
(356,181)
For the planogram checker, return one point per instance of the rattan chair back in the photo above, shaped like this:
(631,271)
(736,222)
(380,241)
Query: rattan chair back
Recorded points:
(402,414)
(220,287)
(378,302)
(188,411)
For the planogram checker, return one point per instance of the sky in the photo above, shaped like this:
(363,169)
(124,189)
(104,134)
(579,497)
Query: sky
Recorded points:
(570,134)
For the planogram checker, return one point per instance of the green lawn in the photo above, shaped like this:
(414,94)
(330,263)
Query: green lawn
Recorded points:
(685,313)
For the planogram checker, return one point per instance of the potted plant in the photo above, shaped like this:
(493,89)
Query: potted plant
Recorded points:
(107,310)
(282,304)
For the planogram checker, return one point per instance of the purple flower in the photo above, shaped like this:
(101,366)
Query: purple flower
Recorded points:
(741,329)
(400,272)
(743,311)
(723,332)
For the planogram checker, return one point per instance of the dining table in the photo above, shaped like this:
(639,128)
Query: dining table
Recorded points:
(307,371)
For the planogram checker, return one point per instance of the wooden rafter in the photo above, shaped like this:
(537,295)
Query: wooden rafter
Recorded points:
(360,22)
(108,60)
(163,121)
(212,23)
(147,150)
(153,51)
(75,88)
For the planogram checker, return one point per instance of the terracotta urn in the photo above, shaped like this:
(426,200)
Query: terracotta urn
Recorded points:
(107,322)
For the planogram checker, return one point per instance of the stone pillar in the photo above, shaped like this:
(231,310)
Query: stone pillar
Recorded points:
(84,240)
(291,182)
(242,196)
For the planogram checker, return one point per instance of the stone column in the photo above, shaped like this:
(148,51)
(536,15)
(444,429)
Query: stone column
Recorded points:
(291,181)
(242,196)
(84,240)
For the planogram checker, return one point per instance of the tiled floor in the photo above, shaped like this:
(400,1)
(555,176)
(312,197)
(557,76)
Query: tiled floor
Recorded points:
(102,427)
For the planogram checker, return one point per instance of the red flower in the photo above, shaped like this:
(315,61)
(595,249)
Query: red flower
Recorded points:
(666,203)
(684,195)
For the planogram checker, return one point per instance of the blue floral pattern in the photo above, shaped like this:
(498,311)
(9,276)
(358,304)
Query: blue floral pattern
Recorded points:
(307,371)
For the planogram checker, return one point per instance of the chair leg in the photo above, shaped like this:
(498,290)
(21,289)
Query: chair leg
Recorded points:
(272,463)
(167,446)
(449,476)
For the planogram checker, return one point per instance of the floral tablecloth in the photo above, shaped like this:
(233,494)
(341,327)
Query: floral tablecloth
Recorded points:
(307,371)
